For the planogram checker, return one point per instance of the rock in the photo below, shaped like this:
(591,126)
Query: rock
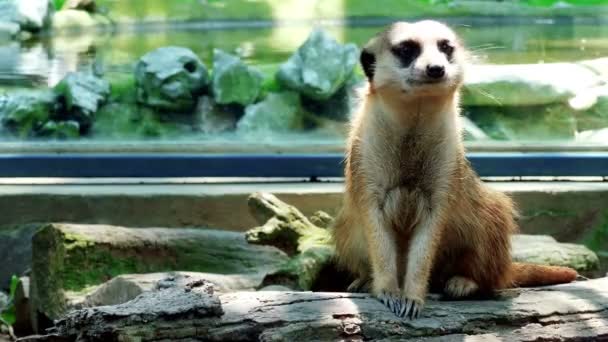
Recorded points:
(598,136)
(23,321)
(170,79)
(550,122)
(275,288)
(325,128)
(79,96)
(124,288)
(526,84)
(61,130)
(233,81)
(471,130)
(278,112)
(340,105)
(599,65)
(322,219)
(25,112)
(123,120)
(320,67)
(577,311)
(591,109)
(8,30)
(85,5)
(15,250)
(68,259)
(211,118)
(545,250)
(30,15)
(35,15)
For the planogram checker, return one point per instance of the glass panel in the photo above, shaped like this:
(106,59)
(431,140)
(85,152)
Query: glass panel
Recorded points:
(536,81)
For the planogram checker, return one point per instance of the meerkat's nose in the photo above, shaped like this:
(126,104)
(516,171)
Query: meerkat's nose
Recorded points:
(435,71)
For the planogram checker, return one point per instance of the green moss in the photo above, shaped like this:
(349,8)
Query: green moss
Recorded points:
(122,87)
(302,270)
(597,239)
(128,120)
(555,122)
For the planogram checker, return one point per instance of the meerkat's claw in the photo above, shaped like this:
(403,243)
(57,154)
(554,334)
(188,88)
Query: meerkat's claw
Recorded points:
(359,285)
(410,308)
(401,307)
(392,302)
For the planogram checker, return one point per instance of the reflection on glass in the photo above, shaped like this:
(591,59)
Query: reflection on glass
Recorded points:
(510,98)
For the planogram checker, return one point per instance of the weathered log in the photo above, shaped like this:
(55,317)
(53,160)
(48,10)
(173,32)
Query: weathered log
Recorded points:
(283,225)
(569,312)
(286,228)
(69,259)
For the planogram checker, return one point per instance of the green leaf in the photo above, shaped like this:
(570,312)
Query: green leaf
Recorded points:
(8,315)
(13,286)
(58,4)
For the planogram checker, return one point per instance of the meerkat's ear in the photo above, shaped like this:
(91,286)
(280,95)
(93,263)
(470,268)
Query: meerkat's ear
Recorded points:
(368,61)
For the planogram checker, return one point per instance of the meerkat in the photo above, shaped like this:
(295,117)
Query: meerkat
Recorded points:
(416,217)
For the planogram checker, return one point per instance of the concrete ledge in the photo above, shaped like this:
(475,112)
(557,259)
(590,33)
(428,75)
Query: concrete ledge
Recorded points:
(565,210)
(569,211)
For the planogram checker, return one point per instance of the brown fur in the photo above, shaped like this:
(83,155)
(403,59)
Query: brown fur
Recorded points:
(415,213)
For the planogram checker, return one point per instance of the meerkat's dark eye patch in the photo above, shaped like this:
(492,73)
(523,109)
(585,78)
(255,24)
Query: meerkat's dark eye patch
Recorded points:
(446,47)
(367,60)
(407,51)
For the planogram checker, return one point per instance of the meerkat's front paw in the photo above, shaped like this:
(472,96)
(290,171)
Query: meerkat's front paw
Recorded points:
(401,306)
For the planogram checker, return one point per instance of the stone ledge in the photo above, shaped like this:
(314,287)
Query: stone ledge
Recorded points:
(223,205)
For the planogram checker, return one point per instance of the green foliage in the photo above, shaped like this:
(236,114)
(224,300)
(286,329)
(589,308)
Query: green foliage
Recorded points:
(58,4)
(597,240)
(7,316)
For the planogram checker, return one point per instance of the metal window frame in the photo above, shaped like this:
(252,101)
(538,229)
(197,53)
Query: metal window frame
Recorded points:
(159,165)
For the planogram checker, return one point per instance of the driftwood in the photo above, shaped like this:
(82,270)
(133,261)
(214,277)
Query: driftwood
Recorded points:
(285,227)
(570,312)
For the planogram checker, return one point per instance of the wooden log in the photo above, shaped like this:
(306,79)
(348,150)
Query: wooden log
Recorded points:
(285,227)
(69,259)
(569,312)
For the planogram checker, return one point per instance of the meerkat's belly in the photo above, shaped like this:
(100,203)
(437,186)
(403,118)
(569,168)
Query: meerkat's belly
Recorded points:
(406,174)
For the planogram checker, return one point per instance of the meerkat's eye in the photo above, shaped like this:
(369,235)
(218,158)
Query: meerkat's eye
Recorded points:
(446,47)
(406,51)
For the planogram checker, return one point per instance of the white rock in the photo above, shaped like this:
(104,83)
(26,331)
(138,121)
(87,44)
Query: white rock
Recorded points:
(34,15)
(526,84)
(599,136)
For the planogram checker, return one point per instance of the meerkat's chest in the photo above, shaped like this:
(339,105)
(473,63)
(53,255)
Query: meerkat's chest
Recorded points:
(411,159)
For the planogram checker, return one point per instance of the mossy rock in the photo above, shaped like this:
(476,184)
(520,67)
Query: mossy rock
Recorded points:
(545,250)
(554,122)
(69,259)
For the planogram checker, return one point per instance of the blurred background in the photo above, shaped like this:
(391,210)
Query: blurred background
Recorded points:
(235,85)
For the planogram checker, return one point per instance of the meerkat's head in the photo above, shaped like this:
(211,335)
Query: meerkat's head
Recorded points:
(424,58)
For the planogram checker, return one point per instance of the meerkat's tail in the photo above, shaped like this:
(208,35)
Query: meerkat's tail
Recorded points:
(524,275)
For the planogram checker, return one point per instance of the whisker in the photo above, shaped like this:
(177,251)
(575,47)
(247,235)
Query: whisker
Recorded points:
(488,48)
(486,94)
